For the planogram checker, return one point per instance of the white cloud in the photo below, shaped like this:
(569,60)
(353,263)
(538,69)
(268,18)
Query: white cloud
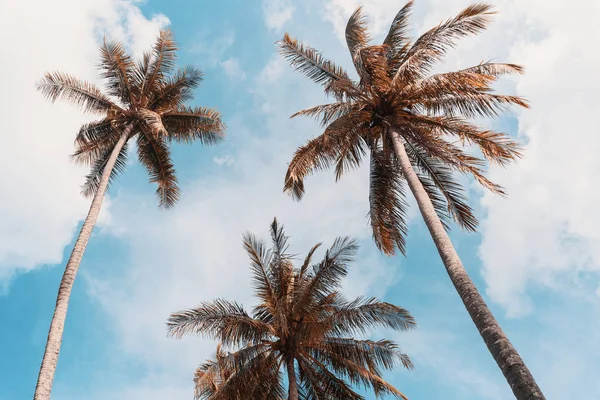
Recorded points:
(41,205)
(545,234)
(233,70)
(213,49)
(226,160)
(440,353)
(277,12)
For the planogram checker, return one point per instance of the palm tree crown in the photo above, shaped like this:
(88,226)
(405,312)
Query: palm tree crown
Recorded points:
(302,324)
(148,97)
(430,113)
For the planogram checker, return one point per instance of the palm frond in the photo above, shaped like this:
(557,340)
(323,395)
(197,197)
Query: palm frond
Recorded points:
(211,375)
(176,90)
(427,136)
(374,354)
(448,83)
(223,320)
(308,258)
(321,152)
(494,69)
(116,66)
(357,37)
(496,147)
(310,62)
(58,86)
(473,80)
(161,63)
(251,372)
(140,73)
(316,154)
(374,63)
(351,150)
(471,105)
(345,361)
(260,259)
(328,112)
(453,93)
(154,154)
(92,180)
(187,124)
(362,314)
(93,139)
(327,274)
(280,268)
(346,90)
(397,37)
(432,45)
(387,204)
(436,176)
(324,381)
(257,376)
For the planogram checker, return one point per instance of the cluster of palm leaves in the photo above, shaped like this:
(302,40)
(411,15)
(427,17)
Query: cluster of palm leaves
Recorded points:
(396,93)
(302,323)
(146,99)
(414,127)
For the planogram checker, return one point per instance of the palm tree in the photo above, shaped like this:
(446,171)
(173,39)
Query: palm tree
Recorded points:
(302,325)
(414,126)
(144,100)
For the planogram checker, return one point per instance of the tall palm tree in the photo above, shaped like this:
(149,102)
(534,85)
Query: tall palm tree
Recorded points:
(144,100)
(413,125)
(302,325)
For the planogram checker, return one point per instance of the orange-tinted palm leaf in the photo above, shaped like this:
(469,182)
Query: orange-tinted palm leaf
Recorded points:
(58,86)
(311,63)
(387,205)
(188,124)
(154,154)
(432,45)
(92,180)
(116,68)
(397,38)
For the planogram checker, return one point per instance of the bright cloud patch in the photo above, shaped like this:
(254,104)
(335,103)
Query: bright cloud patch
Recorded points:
(41,204)
(233,70)
(277,13)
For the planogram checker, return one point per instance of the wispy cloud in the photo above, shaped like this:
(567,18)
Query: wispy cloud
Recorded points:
(233,70)
(545,233)
(213,49)
(277,12)
(226,160)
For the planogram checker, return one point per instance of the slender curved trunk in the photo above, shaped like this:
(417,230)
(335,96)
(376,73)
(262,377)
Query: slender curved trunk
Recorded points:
(508,359)
(55,334)
(293,385)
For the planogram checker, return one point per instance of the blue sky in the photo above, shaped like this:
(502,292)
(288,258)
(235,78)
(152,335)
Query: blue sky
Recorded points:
(536,258)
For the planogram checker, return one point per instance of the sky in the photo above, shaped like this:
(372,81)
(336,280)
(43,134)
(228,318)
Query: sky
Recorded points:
(536,257)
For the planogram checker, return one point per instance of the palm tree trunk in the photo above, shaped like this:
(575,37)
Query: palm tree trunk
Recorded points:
(46,374)
(293,385)
(508,359)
